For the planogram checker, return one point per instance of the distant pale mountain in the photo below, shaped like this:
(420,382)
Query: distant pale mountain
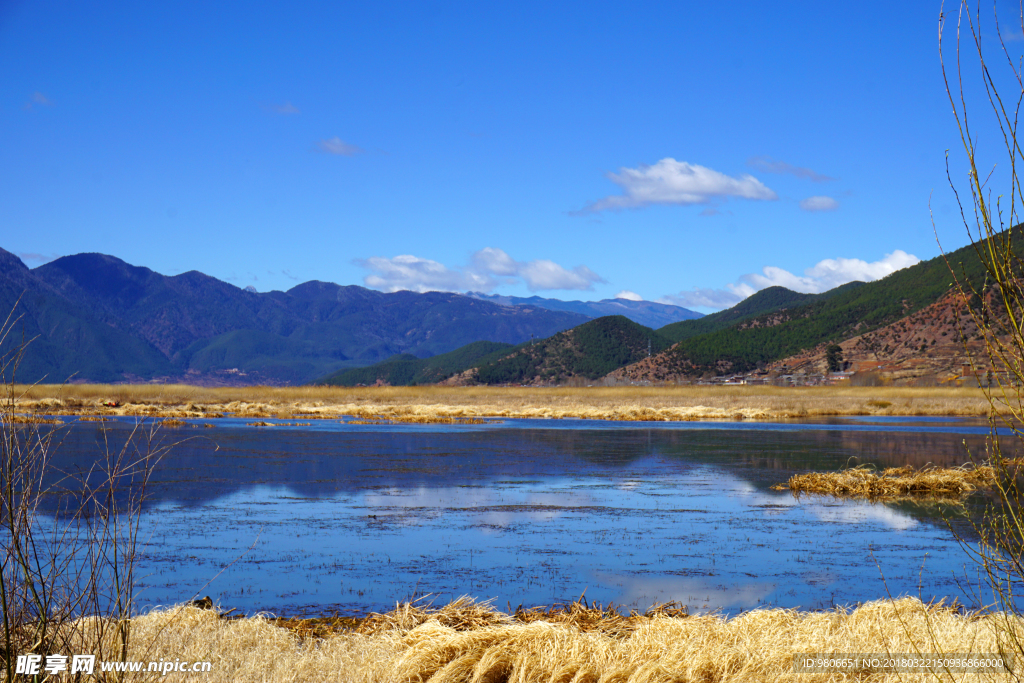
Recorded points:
(94,317)
(647,313)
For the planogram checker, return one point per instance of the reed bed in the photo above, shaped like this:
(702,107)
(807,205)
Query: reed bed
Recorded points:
(467,641)
(866,481)
(33,420)
(278,424)
(683,403)
(418,419)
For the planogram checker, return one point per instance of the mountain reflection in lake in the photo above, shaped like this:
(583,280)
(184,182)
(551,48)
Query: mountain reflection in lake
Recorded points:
(354,517)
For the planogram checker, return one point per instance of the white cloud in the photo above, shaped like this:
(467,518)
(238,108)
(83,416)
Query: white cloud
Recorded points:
(338,146)
(677,182)
(495,261)
(769,165)
(283,109)
(489,268)
(629,296)
(819,204)
(821,277)
(542,274)
(706,297)
(419,275)
(830,273)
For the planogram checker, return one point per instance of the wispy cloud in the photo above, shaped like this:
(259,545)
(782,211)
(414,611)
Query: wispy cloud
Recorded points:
(285,109)
(339,147)
(768,165)
(1011,35)
(676,182)
(488,269)
(820,277)
(38,98)
(819,204)
(37,258)
(629,296)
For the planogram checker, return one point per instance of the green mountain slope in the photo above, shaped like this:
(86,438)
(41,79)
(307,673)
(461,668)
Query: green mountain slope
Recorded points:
(765,301)
(589,351)
(406,369)
(833,316)
(60,341)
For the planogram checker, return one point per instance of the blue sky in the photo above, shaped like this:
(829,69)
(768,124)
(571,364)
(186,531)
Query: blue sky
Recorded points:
(673,150)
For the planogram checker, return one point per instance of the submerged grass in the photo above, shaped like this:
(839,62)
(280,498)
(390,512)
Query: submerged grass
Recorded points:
(683,403)
(466,641)
(866,481)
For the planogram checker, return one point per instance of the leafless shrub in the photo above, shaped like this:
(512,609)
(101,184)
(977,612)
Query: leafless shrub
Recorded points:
(67,539)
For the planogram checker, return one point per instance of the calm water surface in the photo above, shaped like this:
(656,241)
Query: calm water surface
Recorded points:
(351,518)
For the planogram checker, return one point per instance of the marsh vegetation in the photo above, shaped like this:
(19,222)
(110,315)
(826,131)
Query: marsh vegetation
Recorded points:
(684,403)
(867,481)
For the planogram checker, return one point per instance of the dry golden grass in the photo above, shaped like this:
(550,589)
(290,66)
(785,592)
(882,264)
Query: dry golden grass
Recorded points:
(278,424)
(418,419)
(33,419)
(682,403)
(465,642)
(894,482)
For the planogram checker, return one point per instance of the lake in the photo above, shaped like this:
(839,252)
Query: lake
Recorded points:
(348,518)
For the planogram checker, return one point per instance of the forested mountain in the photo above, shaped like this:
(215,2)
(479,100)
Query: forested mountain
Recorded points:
(765,301)
(406,369)
(771,325)
(589,351)
(94,317)
(806,321)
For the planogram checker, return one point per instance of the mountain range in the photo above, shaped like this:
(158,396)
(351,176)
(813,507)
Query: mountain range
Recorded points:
(93,317)
(648,313)
(904,326)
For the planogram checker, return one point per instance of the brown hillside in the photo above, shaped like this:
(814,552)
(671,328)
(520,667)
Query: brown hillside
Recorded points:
(926,345)
(923,347)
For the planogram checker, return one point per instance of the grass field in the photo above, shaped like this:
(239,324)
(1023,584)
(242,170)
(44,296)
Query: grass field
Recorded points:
(608,403)
(465,642)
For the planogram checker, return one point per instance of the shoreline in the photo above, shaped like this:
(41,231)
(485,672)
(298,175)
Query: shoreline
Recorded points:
(431,403)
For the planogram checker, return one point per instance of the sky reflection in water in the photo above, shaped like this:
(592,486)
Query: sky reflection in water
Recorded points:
(353,518)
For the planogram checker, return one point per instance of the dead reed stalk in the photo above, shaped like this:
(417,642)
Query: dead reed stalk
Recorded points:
(67,539)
